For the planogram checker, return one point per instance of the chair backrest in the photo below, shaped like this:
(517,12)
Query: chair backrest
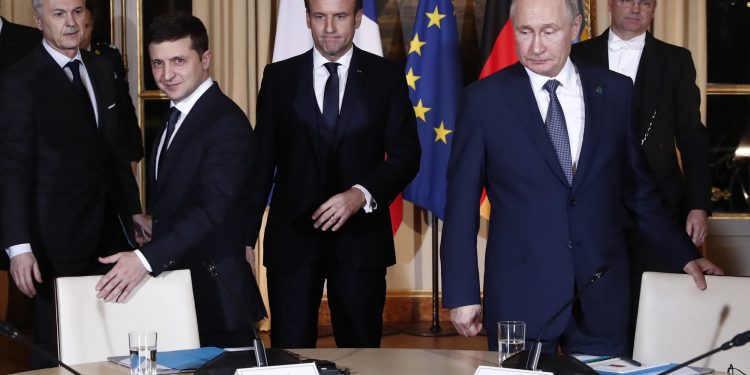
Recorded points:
(677,322)
(91,330)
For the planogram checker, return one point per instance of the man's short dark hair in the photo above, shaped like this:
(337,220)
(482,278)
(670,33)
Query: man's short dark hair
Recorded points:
(357,5)
(174,26)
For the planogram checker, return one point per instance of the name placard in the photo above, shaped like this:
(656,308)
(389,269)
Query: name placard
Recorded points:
(488,370)
(300,369)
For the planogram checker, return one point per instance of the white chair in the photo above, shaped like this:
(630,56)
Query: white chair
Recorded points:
(677,322)
(91,330)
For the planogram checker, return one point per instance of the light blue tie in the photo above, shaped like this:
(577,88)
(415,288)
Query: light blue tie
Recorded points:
(557,130)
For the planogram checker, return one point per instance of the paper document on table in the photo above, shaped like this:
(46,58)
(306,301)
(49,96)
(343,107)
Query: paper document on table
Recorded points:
(619,366)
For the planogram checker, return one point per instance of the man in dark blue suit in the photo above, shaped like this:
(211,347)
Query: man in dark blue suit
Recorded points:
(200,178)
(553,145)
(326,121)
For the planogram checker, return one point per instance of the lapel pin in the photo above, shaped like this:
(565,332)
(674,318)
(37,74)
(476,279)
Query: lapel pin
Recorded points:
(359,71)
(598,89)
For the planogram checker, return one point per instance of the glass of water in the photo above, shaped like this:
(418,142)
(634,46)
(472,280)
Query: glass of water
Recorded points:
(142,352)
(511,338)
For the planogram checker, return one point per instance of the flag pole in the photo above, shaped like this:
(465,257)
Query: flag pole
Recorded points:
(432,329)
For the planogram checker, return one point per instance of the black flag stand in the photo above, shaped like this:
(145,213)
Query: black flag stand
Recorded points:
(432,329)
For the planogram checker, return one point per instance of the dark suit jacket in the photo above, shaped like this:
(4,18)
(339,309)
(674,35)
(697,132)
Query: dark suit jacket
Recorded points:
(665,86)
(16,41)
(128,120)
(546,238)
(197,209)
(377,119)
(57,165)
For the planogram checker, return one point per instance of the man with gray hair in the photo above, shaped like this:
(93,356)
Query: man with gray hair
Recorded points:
(551,142)
(63,166)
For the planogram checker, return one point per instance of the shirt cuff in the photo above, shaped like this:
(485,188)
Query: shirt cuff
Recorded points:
(19,249)
(143,259)
(370,203)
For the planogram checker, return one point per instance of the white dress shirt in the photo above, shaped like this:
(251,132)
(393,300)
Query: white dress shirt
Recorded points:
(320,76)
(570,95)
(61,60)
(625,55)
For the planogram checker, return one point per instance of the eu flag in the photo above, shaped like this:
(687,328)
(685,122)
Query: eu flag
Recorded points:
(433,73)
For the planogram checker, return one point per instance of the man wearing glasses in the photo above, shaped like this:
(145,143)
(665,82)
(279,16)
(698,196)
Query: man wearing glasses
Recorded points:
(666,116)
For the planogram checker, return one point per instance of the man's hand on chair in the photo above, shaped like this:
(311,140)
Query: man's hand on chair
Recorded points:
(127,273)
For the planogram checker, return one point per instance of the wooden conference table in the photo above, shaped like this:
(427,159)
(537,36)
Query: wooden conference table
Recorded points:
(359,361)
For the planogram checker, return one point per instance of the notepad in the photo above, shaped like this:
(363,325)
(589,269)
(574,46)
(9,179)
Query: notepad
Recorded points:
(617,366)
(176,361)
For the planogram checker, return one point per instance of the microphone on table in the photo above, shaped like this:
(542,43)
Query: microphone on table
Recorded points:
(8,330)
(739,340)
(529,359)
(260,350)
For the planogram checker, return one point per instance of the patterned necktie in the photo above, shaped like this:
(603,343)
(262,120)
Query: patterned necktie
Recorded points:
(83,94)
(173,116)
(557,130)
(331,95)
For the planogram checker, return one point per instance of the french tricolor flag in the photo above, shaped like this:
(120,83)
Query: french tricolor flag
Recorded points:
(293,36)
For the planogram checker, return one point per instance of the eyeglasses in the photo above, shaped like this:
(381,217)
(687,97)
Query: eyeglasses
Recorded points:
(644,4)
(734,370)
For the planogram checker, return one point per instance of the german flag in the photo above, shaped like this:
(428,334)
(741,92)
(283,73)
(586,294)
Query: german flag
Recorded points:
(498,47)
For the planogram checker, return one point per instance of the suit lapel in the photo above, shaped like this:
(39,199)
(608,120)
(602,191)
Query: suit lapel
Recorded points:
(58,79)
(647,84)
(594,93)
(190,124)
(305,104)
(522,100)
(352,95)
(94,76)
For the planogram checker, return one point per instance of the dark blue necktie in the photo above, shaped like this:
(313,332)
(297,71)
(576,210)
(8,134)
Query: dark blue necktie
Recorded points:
(83,94)
(557,130)
(173,116)
(331,95)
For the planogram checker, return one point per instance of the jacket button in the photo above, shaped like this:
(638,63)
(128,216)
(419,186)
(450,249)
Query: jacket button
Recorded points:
(570,244)
(572,201)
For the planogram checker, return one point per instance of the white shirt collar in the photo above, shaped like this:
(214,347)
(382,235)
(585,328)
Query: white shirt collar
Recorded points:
(345,60)
(60,59)
(638,41)
(1,25)
(566,77)
(185,105)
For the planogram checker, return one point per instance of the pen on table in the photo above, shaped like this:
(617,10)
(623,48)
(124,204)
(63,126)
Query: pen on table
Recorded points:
(632,362)
(597,359)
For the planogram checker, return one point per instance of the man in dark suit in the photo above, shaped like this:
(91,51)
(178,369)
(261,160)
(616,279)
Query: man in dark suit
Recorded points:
(665,112)
(16,41)
(552,143)
(337,127)
(200,175)
(61,162)
(128,120)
